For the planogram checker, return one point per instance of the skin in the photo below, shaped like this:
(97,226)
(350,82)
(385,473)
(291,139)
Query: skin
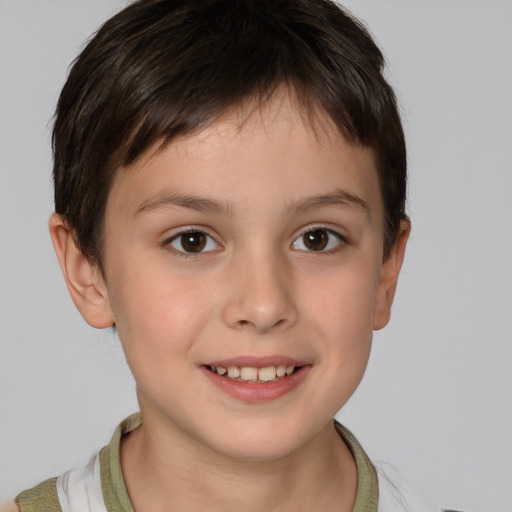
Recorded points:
(256,290)
(8,507)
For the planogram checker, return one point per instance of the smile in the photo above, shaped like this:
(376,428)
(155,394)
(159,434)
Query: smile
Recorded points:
(254,380)
(253,374)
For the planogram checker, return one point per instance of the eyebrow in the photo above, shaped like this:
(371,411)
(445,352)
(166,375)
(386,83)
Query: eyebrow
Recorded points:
(198,203)
(339,197)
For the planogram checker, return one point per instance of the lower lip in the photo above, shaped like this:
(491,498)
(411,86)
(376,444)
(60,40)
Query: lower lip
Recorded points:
(253,392)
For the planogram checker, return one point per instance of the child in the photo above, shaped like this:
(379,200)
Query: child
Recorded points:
(230,184)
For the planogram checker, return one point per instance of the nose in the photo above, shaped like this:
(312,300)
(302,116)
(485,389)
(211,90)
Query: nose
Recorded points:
(260,296)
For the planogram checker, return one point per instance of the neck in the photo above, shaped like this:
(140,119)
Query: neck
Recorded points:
(159,475)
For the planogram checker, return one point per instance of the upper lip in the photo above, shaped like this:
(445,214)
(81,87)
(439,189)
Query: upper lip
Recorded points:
(257,361)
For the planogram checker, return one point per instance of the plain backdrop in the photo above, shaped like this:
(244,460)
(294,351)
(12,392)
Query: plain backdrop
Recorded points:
(436,399)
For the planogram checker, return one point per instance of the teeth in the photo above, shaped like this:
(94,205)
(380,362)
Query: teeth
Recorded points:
(267,374)
(252,374)
(280,371)
(248,373)
(233,372)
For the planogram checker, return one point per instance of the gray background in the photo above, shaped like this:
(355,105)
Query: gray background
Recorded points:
(436,400)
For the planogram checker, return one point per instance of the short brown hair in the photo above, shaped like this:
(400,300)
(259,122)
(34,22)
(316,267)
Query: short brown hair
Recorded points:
(162,68)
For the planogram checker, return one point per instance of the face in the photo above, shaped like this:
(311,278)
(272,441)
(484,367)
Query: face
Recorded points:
(244,272)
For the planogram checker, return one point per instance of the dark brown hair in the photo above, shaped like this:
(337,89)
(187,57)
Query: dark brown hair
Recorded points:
(162,68)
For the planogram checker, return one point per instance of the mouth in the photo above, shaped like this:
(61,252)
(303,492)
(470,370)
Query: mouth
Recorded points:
(254,380)
(253,374)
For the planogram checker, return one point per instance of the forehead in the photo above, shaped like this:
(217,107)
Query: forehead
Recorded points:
(273,150)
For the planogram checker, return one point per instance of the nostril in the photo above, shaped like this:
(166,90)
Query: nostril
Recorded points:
(259,312)
(260,326)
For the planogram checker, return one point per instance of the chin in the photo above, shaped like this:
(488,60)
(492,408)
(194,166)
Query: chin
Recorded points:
(259,442)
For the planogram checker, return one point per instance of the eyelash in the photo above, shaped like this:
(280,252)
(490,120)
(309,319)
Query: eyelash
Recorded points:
(190,254)
(331,234)
(340,241)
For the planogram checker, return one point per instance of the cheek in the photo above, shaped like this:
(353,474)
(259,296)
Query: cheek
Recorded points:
(341,308)
(344,297)
(158,315)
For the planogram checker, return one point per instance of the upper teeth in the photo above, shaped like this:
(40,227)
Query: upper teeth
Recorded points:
(252,374)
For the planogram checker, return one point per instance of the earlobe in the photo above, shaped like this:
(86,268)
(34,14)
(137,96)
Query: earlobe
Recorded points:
(83,278)
(389,278)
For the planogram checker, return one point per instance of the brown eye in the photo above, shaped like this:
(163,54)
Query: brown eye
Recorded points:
(193,242)
(317,240)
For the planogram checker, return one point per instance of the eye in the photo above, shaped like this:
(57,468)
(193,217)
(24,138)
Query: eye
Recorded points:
(318,240)
(193,241)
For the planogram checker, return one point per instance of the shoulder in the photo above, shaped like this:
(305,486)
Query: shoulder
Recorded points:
(396,494)
(77,489)
(42,497)
(86,488)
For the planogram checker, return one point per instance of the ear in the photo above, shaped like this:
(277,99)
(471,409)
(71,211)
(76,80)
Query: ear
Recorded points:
(389,277)
(84,279)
